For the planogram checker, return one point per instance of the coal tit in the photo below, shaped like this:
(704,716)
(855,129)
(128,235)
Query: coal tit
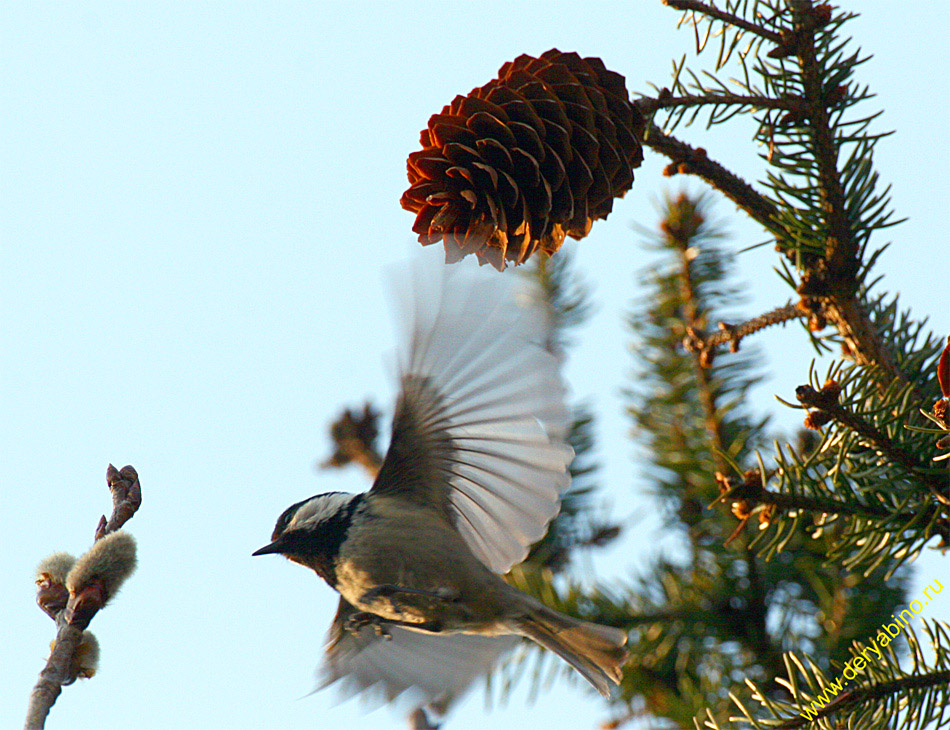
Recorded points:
(476,463)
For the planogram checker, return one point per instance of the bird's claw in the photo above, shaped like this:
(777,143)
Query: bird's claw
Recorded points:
(356,622)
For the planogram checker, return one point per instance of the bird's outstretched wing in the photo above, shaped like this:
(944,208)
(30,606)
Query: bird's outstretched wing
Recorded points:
(480,424)
(437,668)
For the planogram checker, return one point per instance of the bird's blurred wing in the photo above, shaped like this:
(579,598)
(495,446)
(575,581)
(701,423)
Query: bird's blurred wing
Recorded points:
(434,668)
(480,424)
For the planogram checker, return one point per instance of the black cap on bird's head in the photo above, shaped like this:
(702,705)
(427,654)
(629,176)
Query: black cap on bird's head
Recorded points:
(311,532)
(279,539)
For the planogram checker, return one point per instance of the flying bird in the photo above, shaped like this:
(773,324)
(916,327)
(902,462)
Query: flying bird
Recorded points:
(472,477)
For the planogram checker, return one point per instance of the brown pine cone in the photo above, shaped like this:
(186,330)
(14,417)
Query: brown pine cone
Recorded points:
(532,156)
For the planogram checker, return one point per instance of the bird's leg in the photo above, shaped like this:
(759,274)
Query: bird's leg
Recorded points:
(392,592)
(418,609)
(380,625)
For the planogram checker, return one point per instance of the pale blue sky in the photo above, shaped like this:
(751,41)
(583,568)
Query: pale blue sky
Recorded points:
(197,207)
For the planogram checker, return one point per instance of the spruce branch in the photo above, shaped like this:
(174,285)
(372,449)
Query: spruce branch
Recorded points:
(665,100)
(750,491)
(680,227)
(696,341)
(826,401)
(82,605)
(694,161)
(715,13)
(354,437)
(850,699)
(838,267)
(811,109)
(842,250)
(821,505)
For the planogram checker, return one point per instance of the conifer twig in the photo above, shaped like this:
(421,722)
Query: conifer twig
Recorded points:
(852,697)
(682,227)
(841,253)
(838,267)
(751,491)
(817,399)
(682,237)
(694,161)
(354,439)
(665,100)
(717,14)
(698,342)
(79,609)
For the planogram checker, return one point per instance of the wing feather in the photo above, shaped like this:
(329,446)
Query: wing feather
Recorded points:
(434,668)
(480,423)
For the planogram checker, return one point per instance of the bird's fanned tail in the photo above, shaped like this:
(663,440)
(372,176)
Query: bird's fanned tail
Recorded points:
(596,651)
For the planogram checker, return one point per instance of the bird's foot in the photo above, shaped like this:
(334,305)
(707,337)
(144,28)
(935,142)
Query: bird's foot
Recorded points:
(361,619)
(356,622)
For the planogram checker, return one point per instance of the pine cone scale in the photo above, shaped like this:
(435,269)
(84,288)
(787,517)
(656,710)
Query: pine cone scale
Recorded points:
(526,169)
(528,140)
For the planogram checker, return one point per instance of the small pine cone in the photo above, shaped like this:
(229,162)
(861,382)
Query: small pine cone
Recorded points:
(536,154)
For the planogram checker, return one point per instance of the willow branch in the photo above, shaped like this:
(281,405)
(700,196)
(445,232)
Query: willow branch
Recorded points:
(126,499)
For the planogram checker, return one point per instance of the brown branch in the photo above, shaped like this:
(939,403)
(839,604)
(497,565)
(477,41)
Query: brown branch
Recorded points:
(354,439)
(80,608)
(840,263)
(867,693)
(665,100)
(126,499)
(54,674)
(681,228)
(818,399)
(749,492)
(698,342)
(836,271)
(717,14)
(694,161)
(821,505)
(841,248)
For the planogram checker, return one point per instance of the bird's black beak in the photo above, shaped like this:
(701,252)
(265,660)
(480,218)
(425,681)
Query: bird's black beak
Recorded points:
(275,547)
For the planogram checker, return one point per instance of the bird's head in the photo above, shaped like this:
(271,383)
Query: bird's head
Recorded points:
(311,532)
